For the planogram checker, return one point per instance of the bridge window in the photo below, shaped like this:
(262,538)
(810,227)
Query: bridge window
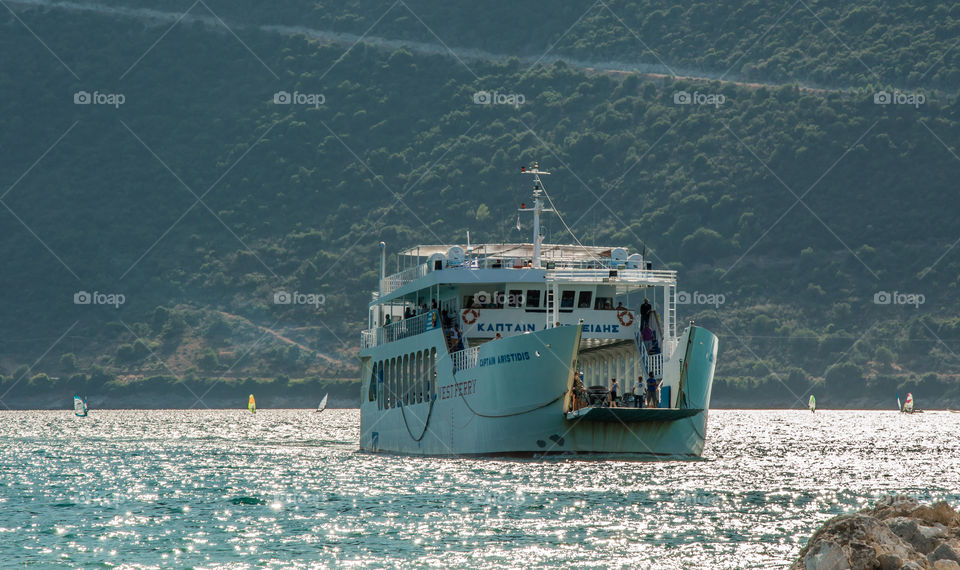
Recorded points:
(584,301)
(603,303)
(533,298)
(566,299)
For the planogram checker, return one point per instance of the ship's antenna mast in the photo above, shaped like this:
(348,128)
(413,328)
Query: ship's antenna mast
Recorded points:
(537,209)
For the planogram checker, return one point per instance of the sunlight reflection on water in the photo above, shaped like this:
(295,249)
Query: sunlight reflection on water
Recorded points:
(227,488)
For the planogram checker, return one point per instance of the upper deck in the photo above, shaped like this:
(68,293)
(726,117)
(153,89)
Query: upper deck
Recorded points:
(429,265)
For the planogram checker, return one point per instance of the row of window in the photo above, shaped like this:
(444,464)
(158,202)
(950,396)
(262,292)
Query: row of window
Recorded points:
(515,298)
(410,379)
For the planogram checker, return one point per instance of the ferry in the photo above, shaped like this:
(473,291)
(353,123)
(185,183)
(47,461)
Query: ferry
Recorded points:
(531,349)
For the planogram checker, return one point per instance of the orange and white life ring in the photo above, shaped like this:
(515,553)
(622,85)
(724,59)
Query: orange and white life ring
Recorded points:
(625,317)
(470,316)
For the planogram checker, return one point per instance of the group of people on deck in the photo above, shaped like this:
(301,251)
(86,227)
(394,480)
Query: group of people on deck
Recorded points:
(410,312)
(651,392)
(648,398)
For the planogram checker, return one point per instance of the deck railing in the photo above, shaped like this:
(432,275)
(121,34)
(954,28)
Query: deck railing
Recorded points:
(466,358)
(399,329)
(393,282)
(594,275)
(655,364)
(558,270)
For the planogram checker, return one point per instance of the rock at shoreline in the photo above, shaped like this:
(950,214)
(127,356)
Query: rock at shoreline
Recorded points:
(897,533)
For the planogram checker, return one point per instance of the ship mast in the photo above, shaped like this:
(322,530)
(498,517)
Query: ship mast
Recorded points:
(536,209)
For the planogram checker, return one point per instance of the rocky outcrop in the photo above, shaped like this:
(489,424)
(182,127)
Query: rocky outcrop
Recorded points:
(897,533)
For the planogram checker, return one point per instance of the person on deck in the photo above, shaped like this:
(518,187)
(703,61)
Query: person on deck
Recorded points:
(498,337)
(614,388)
(458,338)
(637,401)
(647,336)
(386,320)
(645,309)
(579,392)
(653,392)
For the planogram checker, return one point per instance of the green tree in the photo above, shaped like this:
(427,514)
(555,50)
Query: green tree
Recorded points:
(68,362)
(209,360)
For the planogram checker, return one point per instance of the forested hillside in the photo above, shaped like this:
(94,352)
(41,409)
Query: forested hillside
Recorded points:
(198,198)
(821,43)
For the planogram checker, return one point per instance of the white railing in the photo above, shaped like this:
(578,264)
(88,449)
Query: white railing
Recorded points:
(466,358)
(652,363)
(649,362)
(399,329)
(393,282)
(561,271)
(655,364)
(505,261)
(671,316)
(595,275)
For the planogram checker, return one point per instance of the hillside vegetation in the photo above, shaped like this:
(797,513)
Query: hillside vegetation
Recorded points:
(822,43)
(199,198)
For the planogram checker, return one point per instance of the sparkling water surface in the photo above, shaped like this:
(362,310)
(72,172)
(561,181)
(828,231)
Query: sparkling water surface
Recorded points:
(281,488)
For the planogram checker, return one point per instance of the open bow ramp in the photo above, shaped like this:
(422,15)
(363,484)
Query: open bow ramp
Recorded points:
(627,415)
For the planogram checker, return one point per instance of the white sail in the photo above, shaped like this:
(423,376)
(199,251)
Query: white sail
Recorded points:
(323,403)
(79,406)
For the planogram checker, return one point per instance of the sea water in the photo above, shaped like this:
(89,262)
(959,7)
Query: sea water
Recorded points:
(289,488)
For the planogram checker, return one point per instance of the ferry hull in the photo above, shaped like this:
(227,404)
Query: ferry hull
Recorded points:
(513,401)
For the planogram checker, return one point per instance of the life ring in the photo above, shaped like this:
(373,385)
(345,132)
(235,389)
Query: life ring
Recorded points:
(467,314)
(625,317)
